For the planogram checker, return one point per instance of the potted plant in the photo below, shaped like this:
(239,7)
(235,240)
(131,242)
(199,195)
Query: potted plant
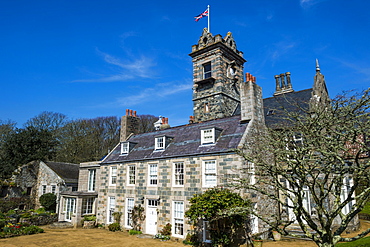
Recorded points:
(257,241)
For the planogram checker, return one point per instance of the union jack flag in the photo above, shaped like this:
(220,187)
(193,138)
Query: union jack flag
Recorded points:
(200,16)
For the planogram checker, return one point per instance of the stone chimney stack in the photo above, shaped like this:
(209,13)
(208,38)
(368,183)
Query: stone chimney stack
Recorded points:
(129,125)
(283,84)
(251,100)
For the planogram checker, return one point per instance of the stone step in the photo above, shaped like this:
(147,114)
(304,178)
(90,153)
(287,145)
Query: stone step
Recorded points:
(61,224)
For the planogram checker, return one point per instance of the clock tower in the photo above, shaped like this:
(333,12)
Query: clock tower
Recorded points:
(217,76)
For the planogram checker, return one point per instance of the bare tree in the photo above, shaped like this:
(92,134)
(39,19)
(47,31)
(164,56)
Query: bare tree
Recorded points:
(46,120)
(312,166)
(147,123)
(88,139)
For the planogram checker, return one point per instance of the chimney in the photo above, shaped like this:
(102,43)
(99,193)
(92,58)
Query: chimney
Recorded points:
(283,84)
(158,124)
(129,125)
(191,119)
(251,100)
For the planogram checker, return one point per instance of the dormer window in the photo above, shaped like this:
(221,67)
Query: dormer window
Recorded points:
(159,143)
(124,147)
(210,135)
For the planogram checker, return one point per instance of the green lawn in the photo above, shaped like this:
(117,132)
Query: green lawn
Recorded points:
(366,209)
(363,242)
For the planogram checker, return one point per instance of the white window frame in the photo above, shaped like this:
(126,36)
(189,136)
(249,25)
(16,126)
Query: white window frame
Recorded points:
(208,136)
(251,171)
(178,219)
(43,189)
(208,172)
(152,175)
(88,205)
(178,177)
(125,147)
(306,199)
(53,189)
(205,231)
(91,180)
(207,73)
(160,142)
(298,139)
(346,187)
(131,173)
(113,171)
(111,209)
(130,202)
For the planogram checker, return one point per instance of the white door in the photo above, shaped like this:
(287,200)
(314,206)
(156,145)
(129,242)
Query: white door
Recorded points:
(151,217)
(69,208)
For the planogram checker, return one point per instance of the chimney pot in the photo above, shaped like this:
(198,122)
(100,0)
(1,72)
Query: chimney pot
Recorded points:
(134,113)
(126,112)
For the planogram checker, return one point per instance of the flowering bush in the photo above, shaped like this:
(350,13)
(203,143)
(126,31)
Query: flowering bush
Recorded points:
(19,229)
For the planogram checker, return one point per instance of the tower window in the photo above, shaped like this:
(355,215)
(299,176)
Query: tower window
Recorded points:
(207,72)
(206,107)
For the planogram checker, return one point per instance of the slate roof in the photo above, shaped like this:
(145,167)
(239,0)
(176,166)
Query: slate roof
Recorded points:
(67,171)
(293,101)
(184,140)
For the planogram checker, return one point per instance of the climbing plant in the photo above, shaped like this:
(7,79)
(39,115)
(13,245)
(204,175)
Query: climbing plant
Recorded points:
(225,211)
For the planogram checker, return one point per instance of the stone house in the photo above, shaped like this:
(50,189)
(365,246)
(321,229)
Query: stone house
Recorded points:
(162,170)
(39,177)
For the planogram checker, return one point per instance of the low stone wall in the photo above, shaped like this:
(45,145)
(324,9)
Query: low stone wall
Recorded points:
(364,216)
(40,220)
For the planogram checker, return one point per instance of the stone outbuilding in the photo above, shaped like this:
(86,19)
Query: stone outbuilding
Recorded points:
(39,177)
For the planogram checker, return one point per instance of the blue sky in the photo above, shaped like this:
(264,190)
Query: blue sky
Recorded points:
(90,58)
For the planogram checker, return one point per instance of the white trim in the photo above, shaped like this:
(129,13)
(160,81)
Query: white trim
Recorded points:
(112,174)
(125,148)
(207,136)
(128,175)
(91,180)
(160,143)
(175,172)
(204,232)
(209,173)
(346,187)
(111,205)
(152,175)
(130,202)
(178,211)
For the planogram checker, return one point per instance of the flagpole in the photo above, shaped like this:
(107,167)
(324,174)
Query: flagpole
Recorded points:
(209,30)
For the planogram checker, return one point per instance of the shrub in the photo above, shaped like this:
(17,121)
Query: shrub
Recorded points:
(48,201)
(191,239)
(89,218)
(134,232)
(166,231)
(117,217)
(40,210)
(162,237)
(32,230)
(114,227)
(137,217)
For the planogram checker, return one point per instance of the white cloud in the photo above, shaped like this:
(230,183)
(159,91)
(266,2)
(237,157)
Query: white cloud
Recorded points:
(128,69)
(280,49)
(359,69)
(156,92)
(308,3)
